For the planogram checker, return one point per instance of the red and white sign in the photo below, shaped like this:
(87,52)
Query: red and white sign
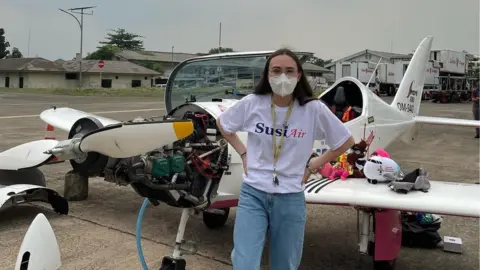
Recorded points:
(101,64)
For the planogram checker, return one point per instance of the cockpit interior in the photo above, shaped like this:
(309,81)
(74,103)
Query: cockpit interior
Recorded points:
(344,100)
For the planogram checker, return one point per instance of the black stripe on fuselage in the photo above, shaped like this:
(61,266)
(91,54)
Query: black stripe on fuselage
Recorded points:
(324,185)
(315,184)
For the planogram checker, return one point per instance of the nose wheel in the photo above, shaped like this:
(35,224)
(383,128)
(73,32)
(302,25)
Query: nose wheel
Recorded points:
(215,218)
(169,263)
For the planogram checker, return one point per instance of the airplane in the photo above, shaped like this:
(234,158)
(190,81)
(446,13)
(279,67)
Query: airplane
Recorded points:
(182,160)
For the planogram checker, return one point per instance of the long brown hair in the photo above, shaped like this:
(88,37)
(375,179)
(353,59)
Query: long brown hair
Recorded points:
(302,92)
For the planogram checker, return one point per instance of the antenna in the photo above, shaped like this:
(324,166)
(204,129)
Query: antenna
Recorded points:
(28,43)
(373,74)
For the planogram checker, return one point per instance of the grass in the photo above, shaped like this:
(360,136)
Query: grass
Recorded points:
(123,92)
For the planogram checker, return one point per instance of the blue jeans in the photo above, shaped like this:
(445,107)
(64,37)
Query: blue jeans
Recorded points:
(282,215)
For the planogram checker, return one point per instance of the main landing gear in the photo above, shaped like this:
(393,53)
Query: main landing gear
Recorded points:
(212,218)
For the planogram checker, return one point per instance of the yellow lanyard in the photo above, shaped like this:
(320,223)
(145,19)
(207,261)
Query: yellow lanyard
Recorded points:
(278,149)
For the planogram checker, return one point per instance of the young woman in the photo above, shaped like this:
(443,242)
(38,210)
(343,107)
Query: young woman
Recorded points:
(282,120)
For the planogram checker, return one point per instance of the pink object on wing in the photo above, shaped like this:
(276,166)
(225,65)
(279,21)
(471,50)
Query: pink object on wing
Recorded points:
(326,170)
(381,152)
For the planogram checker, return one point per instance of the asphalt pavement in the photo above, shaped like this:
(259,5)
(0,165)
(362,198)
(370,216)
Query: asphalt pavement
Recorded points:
(99,233)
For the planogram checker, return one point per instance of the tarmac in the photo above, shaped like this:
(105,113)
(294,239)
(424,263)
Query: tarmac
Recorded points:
(99,233)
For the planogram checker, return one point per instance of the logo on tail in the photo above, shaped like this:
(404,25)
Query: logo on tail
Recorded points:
(411,91)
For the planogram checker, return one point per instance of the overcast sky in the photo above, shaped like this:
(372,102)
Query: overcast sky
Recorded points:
(329,28)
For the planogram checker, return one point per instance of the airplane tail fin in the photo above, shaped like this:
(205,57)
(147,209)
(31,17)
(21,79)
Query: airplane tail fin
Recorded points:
(409,95)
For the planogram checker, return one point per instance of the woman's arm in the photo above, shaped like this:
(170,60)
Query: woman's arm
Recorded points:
(318,162)
(336,135)
(233,120)
(232,138)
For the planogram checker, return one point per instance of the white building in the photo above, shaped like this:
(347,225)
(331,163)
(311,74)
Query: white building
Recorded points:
(43,73)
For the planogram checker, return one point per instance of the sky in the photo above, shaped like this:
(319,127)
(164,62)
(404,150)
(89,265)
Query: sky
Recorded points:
(329,28)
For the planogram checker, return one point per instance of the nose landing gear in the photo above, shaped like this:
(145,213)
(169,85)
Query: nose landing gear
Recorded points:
(182,247)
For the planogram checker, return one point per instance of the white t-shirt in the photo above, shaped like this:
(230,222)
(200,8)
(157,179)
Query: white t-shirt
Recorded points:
(313,121)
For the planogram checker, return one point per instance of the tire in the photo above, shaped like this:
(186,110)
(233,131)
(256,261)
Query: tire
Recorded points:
(444,99)
(215,221)
(94,163)
(385,265)
(391,91)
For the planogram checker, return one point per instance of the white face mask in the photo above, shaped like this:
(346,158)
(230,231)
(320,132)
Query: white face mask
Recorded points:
(283,85)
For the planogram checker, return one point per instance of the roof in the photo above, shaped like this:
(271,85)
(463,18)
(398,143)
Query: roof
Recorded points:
(313,67)
(115,67)
(29,64)
(180,57)
(155,56)
(384,55)
(59,61)
(44,65)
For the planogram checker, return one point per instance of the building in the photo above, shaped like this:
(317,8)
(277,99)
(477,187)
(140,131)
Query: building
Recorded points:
(166,60)
(314,70)
(369,56)
(43,73)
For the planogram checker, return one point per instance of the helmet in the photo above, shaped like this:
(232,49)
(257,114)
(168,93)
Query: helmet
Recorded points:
(379,168)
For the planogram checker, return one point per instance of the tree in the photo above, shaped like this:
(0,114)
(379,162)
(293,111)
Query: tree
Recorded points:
(219,50)
(158,67)
(4,53)
(123,40)
(106,52)
(318,61)
(15,53)
(116,41)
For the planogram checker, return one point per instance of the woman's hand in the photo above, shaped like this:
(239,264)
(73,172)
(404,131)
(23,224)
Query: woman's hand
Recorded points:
(244,161)
(306,176)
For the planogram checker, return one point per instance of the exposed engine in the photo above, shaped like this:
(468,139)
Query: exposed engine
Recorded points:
(184,174)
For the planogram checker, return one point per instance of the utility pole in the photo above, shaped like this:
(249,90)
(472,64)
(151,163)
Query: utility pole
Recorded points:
(28,44)
(80,11)
(220,38)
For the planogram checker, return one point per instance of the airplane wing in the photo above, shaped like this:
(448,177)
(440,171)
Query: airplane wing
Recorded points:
(446,121)
(23,193)
(64,118)
(443,198)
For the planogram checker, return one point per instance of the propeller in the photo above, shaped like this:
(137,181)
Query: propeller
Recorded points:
(26,155)
(130,139)
(120,140)
(124,139)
